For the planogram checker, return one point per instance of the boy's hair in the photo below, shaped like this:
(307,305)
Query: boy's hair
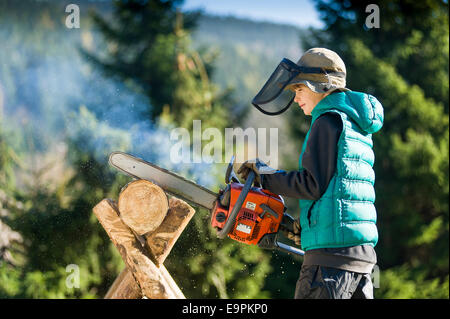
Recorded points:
(296,86)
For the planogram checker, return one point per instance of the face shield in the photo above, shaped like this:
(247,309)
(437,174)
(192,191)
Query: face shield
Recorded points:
(275,98)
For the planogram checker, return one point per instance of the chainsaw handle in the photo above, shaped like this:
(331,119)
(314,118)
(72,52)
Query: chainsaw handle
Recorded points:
(237,206)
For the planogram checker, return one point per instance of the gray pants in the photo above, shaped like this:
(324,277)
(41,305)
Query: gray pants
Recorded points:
(318,282)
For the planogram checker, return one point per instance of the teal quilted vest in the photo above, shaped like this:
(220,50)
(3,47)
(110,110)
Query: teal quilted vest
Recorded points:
(345,215)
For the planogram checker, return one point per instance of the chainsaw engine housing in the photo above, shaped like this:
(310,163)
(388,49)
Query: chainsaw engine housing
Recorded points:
(260,214)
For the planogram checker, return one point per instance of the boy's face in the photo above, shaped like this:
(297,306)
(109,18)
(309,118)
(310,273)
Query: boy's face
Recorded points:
(307,99)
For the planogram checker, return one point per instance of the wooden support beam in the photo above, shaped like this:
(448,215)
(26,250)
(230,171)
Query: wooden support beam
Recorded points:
(160,241)
(124,287)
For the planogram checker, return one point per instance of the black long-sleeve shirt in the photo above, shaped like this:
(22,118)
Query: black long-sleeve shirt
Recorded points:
(319,165)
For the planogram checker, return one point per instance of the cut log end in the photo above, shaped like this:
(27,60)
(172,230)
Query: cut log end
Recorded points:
(143,206)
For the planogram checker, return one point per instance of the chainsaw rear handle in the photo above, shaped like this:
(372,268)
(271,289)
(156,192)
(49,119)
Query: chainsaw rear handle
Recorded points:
(237,206)
(270,241)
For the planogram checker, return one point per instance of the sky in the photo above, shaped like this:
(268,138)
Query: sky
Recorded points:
(296,12)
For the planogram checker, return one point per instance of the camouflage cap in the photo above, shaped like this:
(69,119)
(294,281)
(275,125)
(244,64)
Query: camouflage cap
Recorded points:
(328,61)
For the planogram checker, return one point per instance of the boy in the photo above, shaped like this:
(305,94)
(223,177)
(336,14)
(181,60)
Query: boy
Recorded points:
(334,183)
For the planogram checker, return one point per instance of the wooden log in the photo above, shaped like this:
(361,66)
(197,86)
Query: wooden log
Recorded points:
(176,291)
(124,287)
(162,239)
(142,206)
(153,282)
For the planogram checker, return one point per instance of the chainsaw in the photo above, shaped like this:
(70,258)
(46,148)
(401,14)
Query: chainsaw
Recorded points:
(242,212)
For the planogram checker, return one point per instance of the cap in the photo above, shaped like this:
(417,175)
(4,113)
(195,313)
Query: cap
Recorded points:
(330,62)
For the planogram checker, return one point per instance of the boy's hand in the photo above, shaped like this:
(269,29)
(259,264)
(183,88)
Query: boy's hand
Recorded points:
(291,229)
(256,165)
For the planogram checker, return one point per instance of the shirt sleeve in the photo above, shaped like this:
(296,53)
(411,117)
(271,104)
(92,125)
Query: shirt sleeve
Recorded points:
(319,163)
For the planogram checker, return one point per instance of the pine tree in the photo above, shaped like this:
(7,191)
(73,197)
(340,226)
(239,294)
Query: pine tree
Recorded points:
(11,248)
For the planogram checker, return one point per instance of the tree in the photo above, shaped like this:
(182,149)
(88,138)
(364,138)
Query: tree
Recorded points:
(11,241)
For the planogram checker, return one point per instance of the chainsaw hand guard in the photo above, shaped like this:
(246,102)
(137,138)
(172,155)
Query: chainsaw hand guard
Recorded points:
(237,207)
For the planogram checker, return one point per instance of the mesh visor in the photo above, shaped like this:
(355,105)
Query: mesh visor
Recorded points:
(273,99)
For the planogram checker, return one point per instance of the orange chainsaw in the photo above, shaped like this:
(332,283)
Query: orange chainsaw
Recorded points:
(244,213)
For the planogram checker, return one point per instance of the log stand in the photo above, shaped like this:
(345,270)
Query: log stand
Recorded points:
(144,226)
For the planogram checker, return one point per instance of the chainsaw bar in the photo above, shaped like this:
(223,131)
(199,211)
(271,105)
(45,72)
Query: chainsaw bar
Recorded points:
(172,183)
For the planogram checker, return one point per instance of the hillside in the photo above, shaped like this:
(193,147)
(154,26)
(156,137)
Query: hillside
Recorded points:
(248,52)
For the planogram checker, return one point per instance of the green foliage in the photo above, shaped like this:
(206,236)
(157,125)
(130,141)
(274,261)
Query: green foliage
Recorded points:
(413,37)
(9,280)
(405,283)
(404,64)
(7,159)
(216,269)
(193,96)
(51,224)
